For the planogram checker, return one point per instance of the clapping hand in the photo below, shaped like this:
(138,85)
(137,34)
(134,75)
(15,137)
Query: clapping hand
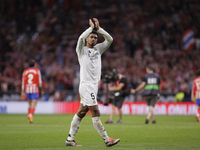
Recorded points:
(94,25)
(96,21)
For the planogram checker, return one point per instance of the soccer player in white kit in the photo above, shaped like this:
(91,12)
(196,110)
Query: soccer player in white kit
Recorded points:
(89,58)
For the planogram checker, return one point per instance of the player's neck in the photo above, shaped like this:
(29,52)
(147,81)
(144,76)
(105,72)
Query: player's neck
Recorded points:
(90,47)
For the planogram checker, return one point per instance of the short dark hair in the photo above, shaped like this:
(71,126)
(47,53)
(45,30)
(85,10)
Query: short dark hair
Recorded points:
(198,72)
(150,68)
(94,32)
(32,63)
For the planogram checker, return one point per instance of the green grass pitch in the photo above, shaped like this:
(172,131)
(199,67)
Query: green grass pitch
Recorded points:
(49,132)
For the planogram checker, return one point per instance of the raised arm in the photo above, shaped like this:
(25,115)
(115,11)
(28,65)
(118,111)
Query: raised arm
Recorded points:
(108,38)
(81,39)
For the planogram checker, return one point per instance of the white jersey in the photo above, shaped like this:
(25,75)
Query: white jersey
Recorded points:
(90,58)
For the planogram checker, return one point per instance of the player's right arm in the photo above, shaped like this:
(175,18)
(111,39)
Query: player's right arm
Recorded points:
(22,97)
(81,39)
(108,38)
(23,83)
(107,42)
(40,83)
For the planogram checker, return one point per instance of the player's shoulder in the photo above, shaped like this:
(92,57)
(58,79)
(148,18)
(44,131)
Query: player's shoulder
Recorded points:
(98,45)
(35,69)
(151,75)
(31,70)
(156,74)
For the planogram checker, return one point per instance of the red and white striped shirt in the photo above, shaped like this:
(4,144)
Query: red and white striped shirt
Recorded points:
(31,80)
(196,88)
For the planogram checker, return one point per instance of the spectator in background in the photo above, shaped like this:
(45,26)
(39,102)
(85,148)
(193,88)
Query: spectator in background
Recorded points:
(195,96)
(31,88)
(42,28)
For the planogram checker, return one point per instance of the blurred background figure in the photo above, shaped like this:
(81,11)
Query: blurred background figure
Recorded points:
(31,88)
(196,93)
(120,91)
(151,85)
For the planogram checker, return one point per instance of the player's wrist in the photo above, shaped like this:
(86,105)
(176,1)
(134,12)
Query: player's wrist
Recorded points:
(99,30)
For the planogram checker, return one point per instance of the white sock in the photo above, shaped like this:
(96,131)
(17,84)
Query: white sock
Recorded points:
(74,127)
(100,128)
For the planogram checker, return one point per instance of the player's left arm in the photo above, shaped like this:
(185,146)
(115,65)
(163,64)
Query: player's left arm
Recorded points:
(23,86)
(23,94)
(108,38)
(40,83)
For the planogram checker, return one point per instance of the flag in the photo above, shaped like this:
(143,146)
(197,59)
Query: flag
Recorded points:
(188,40)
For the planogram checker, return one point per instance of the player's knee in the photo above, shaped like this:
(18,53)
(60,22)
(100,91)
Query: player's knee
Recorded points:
(96,113)
(81,114)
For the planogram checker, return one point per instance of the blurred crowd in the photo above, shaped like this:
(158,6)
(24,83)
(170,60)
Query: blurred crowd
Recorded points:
(144,32)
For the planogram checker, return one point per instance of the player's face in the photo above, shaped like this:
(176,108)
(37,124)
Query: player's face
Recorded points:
(91,40)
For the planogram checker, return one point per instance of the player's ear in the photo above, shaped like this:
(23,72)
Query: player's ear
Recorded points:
(86,39)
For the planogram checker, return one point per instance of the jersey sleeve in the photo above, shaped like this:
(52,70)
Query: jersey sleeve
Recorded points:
(81,40)
(23,82)
(108,40)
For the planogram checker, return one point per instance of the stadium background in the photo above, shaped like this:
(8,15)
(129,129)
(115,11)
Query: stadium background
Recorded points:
(144,32)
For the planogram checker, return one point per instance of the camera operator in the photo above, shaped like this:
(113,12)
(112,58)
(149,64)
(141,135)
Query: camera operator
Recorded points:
(121,90)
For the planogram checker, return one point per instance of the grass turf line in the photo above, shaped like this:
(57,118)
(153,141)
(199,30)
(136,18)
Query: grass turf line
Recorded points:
(49,132)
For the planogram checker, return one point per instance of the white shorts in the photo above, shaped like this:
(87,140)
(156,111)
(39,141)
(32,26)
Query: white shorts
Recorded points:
(88,93)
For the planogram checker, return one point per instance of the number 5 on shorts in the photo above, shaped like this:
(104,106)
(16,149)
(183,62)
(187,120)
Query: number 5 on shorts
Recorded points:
(93,96)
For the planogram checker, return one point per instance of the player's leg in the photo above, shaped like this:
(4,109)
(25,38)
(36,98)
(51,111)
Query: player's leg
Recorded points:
(29,102)
(75,123)
(34,97)
(34,101)
(198,111)
(29,107)
(99,127)
(30,116)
